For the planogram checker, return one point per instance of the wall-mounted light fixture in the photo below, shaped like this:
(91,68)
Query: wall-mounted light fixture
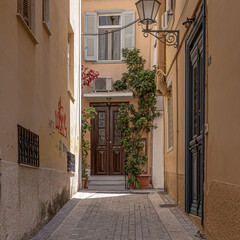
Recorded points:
(188,23)
(147,11)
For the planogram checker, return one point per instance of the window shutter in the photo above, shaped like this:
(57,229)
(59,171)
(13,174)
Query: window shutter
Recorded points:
(128,34)
(90,41)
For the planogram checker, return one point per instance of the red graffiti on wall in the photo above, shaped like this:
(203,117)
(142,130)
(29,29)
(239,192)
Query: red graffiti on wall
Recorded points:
(60,119)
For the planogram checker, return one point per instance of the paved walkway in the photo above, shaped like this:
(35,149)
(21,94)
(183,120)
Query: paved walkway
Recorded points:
(126,216)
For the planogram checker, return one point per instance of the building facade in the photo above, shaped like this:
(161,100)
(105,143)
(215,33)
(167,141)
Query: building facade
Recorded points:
(102,53)
(39,112)
(201,153)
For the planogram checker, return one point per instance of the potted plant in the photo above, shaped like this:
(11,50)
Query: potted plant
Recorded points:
(87,115)
(135,121)
(144,180)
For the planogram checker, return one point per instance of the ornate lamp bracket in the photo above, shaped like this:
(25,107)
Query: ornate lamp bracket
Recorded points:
(168,37)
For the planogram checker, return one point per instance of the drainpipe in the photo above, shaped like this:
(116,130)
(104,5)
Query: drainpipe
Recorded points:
(80,94)
(177,124)
(204,102)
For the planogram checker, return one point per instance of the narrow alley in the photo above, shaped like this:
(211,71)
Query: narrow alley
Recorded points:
(145,215)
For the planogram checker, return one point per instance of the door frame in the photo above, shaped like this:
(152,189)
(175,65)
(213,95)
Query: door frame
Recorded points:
(92,157)
(198,28)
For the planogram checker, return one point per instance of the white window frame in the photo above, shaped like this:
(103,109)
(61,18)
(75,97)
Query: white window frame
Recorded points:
(70,62)
(46,15)
(109,27)
(169,85)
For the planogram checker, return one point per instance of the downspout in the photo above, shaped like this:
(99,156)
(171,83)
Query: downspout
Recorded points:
(203,87)
(177,124)
(80,93)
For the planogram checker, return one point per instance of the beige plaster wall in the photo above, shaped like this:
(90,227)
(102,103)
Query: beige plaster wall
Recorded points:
(33,79)
(222,181)
(222,115)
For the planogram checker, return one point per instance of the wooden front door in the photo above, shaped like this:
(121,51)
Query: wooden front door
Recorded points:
(106,149)
(195,112)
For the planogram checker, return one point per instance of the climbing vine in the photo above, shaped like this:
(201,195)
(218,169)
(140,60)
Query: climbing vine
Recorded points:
(87,114)
(134,121)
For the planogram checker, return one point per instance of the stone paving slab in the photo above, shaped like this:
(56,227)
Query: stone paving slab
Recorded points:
(123,216)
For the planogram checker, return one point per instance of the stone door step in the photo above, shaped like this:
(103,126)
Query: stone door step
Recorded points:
(106,182)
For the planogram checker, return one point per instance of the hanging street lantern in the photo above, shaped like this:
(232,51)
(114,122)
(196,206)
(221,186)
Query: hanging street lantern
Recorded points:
(147,11)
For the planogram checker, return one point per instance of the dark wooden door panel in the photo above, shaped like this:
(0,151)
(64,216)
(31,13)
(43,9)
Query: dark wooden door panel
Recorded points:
(196,121)
(115,143)
(102,162)
(99,141)
(116,161)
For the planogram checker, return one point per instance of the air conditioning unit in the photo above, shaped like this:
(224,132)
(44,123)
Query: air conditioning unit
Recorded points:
(166,18)
(103,84)
(169,5)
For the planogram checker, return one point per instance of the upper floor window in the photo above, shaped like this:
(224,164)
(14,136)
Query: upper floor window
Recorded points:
(170,116)
(45,16)
(105,37)
(27,11)
(170,123)
(109,40)
(45,11)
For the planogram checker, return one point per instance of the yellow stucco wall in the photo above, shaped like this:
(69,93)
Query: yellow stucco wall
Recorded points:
(222,181)
(33,79)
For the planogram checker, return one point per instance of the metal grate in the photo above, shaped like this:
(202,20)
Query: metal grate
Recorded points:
(28,147)
(167,205)
(70,162)
(24,8)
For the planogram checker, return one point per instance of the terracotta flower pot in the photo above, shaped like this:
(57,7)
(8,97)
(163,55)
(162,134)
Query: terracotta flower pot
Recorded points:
(131,185)
(84,183)
(144,180)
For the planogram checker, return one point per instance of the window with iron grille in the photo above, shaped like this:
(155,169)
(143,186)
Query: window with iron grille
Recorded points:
(28,147)
(25,9)
(70,162)
(170,123)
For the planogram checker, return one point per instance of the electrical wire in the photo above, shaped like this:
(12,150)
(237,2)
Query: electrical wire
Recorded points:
(118,30)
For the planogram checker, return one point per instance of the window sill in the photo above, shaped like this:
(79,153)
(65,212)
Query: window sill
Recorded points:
(109,62)
(46,26)
(71,96)
(28,166)
(29,31)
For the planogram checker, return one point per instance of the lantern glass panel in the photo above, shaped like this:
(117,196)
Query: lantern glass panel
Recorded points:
(155,10)
(139,6)
(148,9)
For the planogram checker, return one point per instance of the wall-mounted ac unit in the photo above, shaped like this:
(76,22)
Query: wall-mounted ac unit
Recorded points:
(103,84)
(166,18)
(169,5)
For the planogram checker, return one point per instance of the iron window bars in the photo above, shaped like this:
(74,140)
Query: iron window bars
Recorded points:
(70,162)
(28,147)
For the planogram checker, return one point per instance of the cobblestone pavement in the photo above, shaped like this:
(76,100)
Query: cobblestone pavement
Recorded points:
(126,216)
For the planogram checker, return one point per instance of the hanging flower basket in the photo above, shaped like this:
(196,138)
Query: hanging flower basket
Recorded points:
(144,180)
